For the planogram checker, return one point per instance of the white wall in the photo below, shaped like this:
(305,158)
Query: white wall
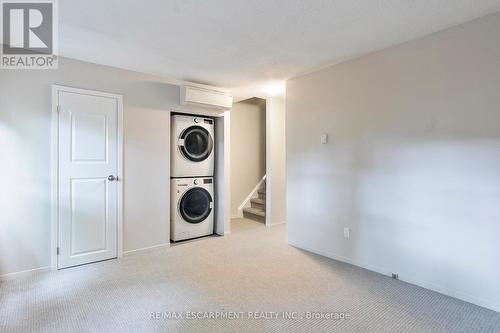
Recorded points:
(248,148)
(413,163)
(276,160)
(25,115)
(223,174)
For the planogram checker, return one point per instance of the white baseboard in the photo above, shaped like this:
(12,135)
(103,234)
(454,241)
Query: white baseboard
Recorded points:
(279,223)
(337,257)
(147,248)
(26,271)
(489,304)
(50,268)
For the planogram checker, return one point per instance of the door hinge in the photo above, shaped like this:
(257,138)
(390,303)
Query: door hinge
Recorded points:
(58,108)
(57,250)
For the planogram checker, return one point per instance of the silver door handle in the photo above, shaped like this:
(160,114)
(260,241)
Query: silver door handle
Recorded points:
(111,178)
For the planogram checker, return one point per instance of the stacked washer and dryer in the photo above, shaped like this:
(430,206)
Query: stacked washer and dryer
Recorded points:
(192,177)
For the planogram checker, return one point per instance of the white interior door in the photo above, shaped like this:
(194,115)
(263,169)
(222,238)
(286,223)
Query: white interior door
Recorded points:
(88,167)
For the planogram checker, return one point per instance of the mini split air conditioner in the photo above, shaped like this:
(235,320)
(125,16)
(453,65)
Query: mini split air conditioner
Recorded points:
(206,97)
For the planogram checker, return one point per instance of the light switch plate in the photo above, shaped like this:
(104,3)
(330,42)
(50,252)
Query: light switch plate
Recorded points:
(324,138)
(346,232)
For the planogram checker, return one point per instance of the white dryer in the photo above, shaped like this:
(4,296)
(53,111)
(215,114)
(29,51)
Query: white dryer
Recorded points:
(191,209)
(192,146)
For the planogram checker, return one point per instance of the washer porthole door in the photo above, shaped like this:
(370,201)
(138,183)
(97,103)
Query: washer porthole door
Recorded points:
(197,143)
(195,205)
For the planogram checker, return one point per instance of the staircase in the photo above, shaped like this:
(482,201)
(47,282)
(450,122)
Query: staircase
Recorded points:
(257,209)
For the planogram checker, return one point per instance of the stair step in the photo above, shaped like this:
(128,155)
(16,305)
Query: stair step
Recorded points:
(254,211)
(262,191)
(255,214)
(258,203)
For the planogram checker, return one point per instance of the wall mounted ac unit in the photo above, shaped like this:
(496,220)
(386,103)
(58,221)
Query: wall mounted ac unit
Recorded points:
(205,97)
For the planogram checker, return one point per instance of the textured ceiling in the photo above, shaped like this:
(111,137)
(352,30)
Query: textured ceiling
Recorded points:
(245,43)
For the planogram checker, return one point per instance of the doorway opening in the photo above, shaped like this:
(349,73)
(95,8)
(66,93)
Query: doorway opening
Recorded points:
(258,157)
(248,162)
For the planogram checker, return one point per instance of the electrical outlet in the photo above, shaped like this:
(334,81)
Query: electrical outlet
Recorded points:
(395,276)
(346,232)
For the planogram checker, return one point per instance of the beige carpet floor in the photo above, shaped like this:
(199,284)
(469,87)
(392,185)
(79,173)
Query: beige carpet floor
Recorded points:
(251,270)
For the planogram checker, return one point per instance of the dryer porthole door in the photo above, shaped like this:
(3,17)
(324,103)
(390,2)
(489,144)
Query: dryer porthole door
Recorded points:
(195,205)
(197,143)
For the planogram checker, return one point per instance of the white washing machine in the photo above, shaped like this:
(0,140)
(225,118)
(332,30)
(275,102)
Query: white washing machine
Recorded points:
(192,146)
(192,208)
